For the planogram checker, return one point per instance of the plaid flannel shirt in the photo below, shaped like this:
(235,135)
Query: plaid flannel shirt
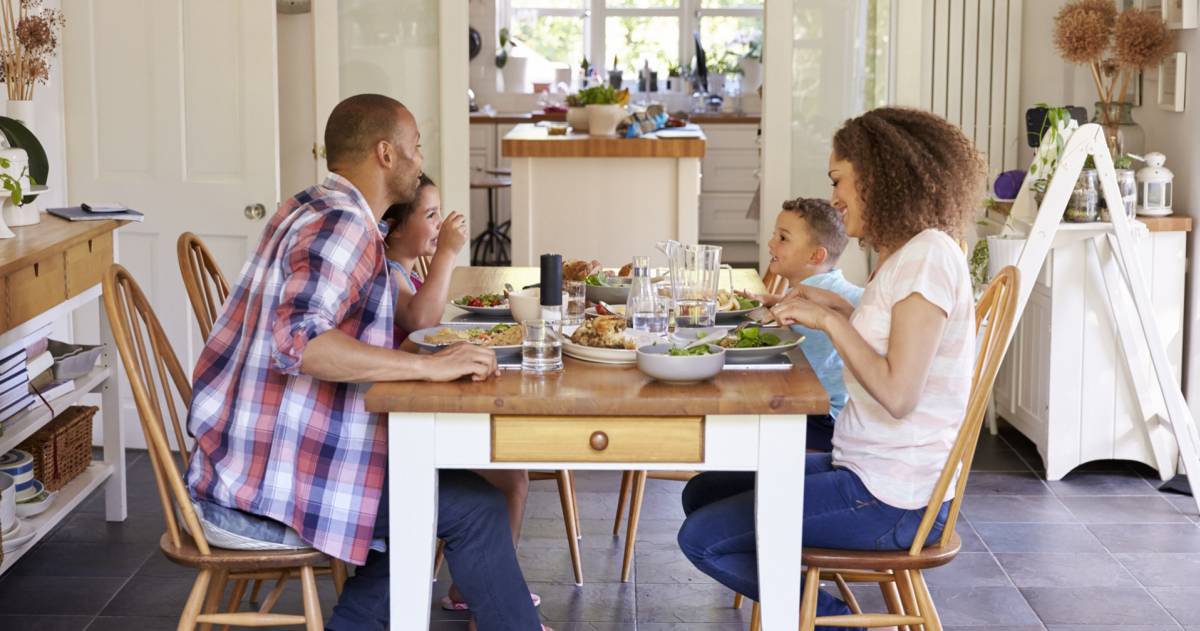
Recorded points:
(272,441)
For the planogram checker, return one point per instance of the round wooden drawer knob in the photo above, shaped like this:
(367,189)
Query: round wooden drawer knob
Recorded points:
(599,441)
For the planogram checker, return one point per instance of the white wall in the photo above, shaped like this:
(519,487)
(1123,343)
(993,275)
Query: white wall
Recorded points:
(49,126)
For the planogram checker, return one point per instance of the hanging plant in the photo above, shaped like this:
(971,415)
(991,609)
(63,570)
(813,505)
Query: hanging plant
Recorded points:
(505,44)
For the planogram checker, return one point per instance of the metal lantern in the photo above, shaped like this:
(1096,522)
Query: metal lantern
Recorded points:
(1155,183)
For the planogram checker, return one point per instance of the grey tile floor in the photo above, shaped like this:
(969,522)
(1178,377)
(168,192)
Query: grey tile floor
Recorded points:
(1102,549)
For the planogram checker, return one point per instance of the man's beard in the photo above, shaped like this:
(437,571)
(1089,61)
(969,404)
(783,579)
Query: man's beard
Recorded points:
(404,191)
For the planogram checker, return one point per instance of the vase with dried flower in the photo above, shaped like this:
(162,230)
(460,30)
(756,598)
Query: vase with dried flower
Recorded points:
(28,38)
(1115,46)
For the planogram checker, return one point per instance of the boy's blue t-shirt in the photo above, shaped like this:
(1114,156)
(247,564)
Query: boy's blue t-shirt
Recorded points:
(818,348)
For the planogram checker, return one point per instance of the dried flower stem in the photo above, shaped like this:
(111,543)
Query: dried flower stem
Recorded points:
(1095,67)
(1127,74)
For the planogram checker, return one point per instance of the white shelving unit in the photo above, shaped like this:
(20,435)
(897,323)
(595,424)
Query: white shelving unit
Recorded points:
(109,471)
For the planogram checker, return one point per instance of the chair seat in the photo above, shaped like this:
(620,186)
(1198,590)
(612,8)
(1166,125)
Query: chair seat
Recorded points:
(931,556)
(239,560)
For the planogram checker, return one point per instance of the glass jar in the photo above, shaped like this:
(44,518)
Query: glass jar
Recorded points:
(1128,185)
(1123,134)
(1082,207)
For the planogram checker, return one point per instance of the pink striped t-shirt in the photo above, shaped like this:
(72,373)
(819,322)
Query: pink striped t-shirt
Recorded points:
(899,460)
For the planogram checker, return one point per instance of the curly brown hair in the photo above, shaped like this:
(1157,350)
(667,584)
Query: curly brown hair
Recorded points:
(915,170)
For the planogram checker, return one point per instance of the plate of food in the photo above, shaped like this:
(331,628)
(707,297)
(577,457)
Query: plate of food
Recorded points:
(604,340)
(600,310)
(484,304)
(748,344)
(731,305)
(500,337)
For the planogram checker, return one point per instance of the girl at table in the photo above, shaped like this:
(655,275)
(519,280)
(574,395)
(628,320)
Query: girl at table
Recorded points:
(415,230)
(906,182)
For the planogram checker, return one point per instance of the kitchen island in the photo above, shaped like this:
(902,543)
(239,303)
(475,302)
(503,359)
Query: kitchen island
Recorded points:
(585,196)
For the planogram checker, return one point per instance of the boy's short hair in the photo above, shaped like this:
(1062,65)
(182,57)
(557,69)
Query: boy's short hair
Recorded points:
(824,222)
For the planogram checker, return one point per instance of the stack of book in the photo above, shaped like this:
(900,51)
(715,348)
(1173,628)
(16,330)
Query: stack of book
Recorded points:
(14,381)
(27,373)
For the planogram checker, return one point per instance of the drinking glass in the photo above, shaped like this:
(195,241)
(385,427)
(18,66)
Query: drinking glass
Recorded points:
(574,301)
(541,348)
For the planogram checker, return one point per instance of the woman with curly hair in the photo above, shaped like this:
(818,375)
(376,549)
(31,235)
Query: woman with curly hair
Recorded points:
(906,182)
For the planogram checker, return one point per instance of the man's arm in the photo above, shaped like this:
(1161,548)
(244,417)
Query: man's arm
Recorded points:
(335,356)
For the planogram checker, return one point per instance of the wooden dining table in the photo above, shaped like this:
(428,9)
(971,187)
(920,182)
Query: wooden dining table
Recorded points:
(598,417)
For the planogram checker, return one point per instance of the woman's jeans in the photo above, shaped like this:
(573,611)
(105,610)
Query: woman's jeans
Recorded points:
(839,512)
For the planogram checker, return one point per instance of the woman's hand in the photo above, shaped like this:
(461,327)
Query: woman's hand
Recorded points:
(823,297)
(806,313)
(453,235)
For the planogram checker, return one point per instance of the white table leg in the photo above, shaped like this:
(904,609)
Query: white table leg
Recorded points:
(412,527)
(115,507)
(779,512)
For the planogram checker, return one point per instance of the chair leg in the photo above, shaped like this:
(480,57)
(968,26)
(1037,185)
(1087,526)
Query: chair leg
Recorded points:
(847,595)
(565,494)
(993,429)
(216,591)
(626,481)
(575,505)
(338,569)
(908,597)
(808,603)
(755,616)
(737,601)
(273,596)
(235,599)
(891,597)
(635,513)
(438,557)
(255,588)
(925,602)
(191,609)
(312,602)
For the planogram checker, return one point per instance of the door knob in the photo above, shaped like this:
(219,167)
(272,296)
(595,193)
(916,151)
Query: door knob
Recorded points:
(255,212)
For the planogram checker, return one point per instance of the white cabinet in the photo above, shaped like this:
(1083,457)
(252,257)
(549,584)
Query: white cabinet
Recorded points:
(1064,383)
(729,174)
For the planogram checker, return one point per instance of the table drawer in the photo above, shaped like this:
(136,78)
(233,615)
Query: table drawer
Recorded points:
(597,439)
(87,261)
(36,288)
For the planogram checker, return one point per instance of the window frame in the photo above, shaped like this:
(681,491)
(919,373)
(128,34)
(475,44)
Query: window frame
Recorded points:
(595,16)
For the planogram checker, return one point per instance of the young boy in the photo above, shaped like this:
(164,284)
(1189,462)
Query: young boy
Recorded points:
(808,239)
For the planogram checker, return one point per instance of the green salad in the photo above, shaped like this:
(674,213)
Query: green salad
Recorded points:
(595,280)
(750,338)
(678,351)
(746,303)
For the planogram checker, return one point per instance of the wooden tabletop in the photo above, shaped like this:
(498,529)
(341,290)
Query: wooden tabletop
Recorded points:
(703,118)
(585,388)
(50,236)
(1176,222)
(531,141)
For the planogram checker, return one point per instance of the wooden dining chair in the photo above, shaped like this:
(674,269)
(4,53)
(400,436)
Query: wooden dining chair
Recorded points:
(206,286)
(900,573)
(157,380)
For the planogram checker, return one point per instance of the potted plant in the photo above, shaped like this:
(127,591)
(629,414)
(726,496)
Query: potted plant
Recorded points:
(14,209)
(577,116)
(751,65)
(605,108)
(512,67)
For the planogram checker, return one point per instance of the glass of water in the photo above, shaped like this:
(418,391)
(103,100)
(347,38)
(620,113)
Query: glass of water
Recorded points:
(695,313)
(541,349)
(574,301)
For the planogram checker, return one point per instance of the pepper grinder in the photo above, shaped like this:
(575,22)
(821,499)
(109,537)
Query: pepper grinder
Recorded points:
(551,287)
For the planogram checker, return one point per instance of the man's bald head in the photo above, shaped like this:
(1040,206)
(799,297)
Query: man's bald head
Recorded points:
(356,124)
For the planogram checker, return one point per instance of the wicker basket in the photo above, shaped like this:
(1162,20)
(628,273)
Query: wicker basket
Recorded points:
(63,448)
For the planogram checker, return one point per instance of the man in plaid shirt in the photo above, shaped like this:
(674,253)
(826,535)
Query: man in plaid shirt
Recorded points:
(286,453)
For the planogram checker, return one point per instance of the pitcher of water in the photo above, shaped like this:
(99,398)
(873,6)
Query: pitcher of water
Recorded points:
(695,271)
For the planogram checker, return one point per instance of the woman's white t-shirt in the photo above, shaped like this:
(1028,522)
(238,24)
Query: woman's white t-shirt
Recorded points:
(899,460)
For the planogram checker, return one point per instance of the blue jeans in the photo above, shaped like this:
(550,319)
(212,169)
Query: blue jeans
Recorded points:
(473,521)
(718,535)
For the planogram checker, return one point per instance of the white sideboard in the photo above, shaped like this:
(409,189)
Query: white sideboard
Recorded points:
(1064,384)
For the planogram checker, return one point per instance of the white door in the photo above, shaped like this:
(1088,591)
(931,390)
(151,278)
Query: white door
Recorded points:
(171,108)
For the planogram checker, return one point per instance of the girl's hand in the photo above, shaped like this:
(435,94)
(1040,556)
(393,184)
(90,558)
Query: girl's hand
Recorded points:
(453,236)
(800,311)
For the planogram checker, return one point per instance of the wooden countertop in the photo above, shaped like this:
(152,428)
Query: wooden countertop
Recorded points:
(530,141)
(51,236)
(1171,223)
(534,117)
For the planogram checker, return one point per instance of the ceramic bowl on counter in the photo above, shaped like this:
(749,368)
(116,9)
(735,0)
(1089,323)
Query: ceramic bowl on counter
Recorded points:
(655,360)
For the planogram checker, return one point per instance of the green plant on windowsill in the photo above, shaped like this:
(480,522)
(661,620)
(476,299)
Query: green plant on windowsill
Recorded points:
(726,64)
(755,50)
(505,44)
(598,95)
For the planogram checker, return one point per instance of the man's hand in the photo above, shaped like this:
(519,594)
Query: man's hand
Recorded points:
(454,235)
(460,360)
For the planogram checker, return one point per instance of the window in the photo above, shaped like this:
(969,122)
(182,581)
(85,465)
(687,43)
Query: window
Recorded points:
(558,33)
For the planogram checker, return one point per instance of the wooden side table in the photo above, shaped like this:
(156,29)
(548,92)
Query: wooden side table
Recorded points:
(47,271)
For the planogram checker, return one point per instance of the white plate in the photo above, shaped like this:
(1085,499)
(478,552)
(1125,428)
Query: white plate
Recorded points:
(788,340)
(591,311)
(31,492)
(502,311)
(620,356)
(12,530)
(44,500)
(418,337)
(11,544)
